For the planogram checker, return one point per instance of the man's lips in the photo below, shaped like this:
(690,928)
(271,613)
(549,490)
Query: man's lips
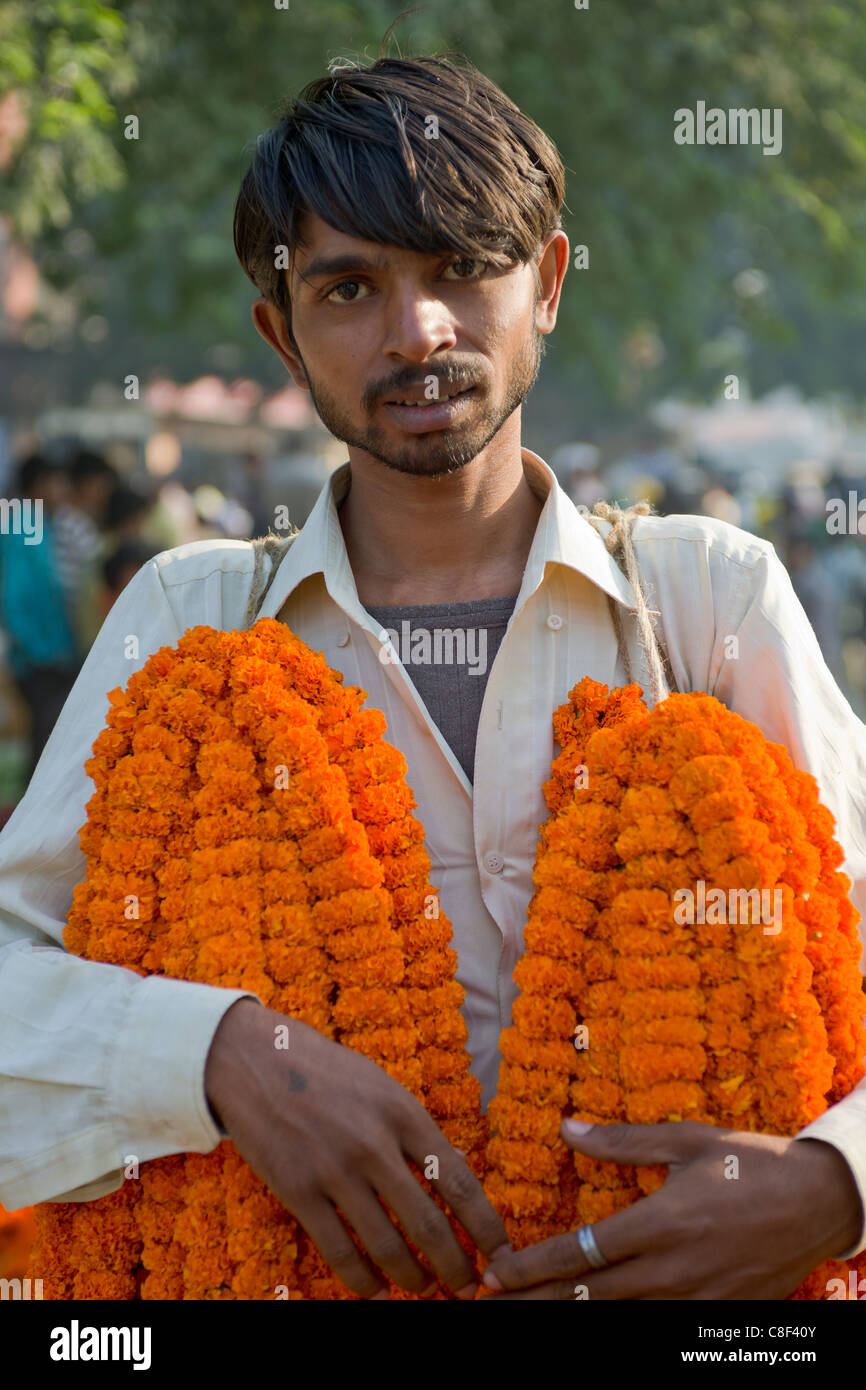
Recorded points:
(418,417)
(417,395)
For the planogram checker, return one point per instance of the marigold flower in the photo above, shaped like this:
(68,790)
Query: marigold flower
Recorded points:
(249,811)
(711,1019)
(238,879)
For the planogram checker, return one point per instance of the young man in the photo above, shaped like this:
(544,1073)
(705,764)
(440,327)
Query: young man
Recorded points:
(402,223)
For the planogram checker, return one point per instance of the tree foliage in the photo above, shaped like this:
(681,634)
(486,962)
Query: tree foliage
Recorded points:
(670,228)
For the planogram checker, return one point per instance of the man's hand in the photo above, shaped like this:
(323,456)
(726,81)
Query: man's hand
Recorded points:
(704,1235)
(325,1127)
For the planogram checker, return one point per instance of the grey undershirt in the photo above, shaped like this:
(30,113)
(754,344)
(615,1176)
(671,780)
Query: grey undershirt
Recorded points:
(450,672)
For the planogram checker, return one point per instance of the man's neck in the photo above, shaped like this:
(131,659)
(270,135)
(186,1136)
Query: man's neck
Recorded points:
(463,535)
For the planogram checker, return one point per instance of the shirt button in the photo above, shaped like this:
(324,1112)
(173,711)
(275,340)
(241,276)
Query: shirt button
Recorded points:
(554,622)
(494,863)
(343,639)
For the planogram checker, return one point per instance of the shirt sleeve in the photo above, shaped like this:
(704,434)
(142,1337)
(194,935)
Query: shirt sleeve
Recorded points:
(776,676)
(98,1065)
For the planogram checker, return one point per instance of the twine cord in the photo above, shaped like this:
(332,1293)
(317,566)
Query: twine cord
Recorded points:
(275,547)
(620,545)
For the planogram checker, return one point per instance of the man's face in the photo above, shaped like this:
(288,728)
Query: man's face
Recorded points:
(375,326)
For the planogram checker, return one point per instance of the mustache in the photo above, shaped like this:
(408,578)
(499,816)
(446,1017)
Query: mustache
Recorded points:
(449,377)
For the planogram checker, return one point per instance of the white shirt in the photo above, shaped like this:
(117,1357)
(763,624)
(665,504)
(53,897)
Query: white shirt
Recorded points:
(97,1063)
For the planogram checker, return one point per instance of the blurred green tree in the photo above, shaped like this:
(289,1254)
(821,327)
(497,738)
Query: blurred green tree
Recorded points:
(66,64)
(673,231)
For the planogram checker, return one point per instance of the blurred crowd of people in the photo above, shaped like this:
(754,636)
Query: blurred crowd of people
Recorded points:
(827,566)
(54,593)
(96,529)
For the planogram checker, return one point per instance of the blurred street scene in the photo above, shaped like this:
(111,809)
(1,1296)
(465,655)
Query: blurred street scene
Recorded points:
(710,342)
(113,488)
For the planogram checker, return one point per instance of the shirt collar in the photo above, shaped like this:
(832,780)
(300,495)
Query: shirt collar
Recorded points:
(563,536)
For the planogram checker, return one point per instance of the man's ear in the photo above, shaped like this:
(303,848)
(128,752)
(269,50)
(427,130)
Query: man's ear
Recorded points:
(552,265)
(272,326)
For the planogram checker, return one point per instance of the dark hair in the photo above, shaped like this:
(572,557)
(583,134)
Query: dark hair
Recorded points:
(354,149)
(124,503)
(86,463)
(31,470)
(127,555)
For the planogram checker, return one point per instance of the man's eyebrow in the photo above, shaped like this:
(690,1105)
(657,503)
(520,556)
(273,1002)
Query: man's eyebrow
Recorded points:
(320,266)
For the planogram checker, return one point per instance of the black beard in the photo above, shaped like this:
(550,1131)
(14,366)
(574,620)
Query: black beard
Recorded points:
(442,451)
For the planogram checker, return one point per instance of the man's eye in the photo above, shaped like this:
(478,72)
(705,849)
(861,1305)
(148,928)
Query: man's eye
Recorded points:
(348,298)
(466,268)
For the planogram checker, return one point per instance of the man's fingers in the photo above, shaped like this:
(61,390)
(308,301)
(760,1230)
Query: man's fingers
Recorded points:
(324,1227)
(384,1242)
(558,1257)
(646,1277)
(429,1229)
(555,1292)
(626,1234)
(675,1142)
(469,1202)
(630,1280)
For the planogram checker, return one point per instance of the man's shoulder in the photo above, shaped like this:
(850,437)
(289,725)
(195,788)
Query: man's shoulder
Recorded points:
(199,560)
(679,537)
(205,582)
(212,581)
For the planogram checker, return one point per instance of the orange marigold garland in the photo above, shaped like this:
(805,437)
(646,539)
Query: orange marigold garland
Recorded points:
(679,1007)
(253,824)
(231,830)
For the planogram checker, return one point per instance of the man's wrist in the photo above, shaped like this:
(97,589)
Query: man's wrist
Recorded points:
(834,1190)
(221,1054)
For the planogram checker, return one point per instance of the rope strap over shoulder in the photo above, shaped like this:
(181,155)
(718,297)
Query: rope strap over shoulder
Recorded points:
(620,545)
(275,547)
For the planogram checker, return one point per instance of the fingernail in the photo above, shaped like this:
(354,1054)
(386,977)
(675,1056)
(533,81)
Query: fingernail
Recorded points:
(500,1250)
(383,1293)
(469,1291)
(492,1282)
(576,1128)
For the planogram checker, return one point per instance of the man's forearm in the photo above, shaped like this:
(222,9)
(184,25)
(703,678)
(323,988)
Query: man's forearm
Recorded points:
(97,1066)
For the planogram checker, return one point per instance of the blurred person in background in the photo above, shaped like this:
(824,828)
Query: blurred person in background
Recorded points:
(819,596)
(126,515)
(80,520)
(118,568)
(43,653)
(125,524)
(684,488)
(250,490)
(92,479)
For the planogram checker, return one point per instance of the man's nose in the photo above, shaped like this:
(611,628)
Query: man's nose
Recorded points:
(417,324)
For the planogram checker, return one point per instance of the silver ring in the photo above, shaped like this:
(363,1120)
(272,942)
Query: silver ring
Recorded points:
(589,1245)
